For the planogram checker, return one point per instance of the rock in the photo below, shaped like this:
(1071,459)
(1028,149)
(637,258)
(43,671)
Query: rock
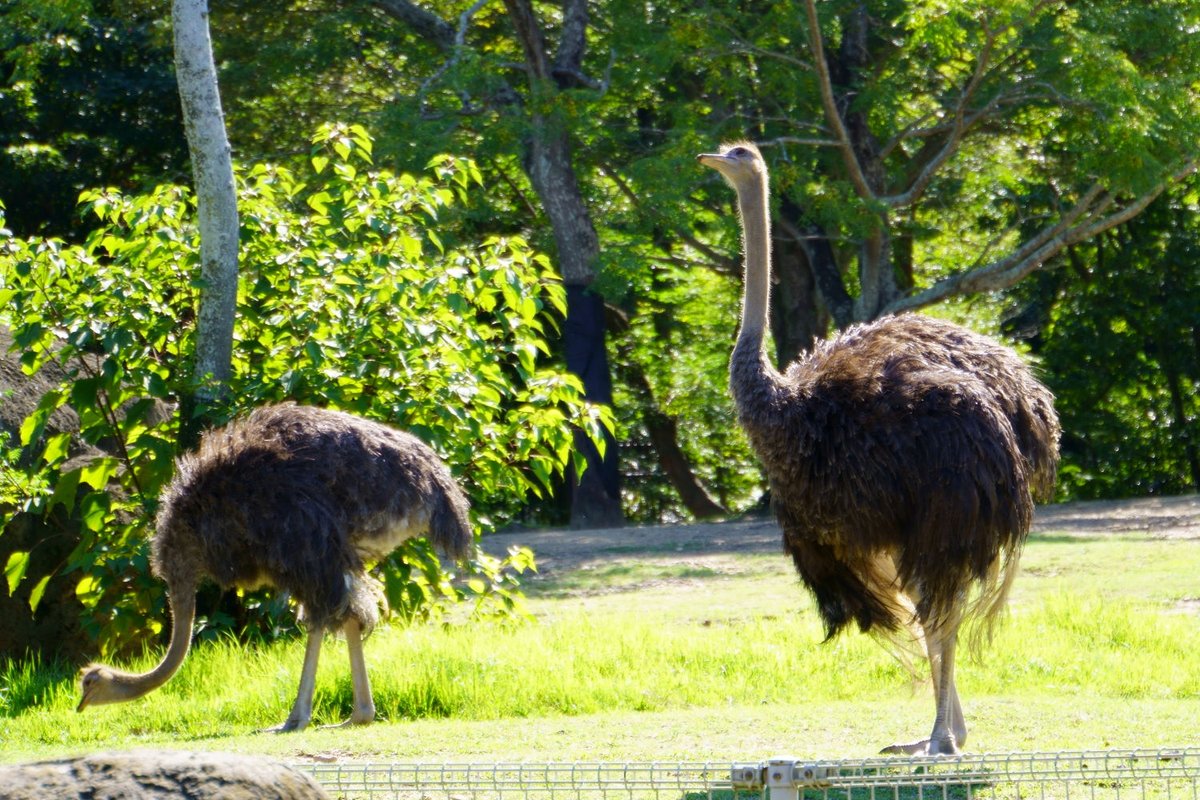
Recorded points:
(156,775)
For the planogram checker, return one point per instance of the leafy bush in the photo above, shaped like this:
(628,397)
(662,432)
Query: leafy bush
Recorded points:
(348,299)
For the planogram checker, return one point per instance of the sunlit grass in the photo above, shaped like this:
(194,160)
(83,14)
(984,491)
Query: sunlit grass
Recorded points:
(1094,629)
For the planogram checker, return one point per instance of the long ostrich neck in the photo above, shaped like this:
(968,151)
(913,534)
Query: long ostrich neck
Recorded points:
(753,379)
(183,614)
(756,233)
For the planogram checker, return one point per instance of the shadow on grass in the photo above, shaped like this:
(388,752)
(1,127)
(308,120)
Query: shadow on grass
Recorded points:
(622,577)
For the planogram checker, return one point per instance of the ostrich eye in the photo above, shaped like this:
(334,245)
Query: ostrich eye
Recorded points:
(738,151)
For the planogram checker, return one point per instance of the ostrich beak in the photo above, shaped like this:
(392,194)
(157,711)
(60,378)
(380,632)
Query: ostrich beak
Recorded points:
(714,160)
(86,688)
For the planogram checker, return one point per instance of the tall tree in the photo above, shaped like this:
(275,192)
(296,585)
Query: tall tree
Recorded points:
(216,196)
(87,99)
(960,147)
(545,153)
(996,78)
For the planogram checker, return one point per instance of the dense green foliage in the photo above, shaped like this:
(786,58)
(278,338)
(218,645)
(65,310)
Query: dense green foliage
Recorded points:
(87,99)
(349,300)
(1122,351)
(976,134)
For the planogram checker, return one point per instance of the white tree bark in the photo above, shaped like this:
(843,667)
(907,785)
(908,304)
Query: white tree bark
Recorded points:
(212,171)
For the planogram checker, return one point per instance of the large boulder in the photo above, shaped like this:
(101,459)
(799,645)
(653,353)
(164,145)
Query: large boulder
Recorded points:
(157,775)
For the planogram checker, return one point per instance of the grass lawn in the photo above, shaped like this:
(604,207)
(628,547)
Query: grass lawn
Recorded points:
(652,657)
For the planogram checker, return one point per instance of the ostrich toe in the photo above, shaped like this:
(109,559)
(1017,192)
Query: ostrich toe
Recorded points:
(292,723)
(925,747)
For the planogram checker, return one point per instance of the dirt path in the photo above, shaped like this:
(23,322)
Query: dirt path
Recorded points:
(560,549)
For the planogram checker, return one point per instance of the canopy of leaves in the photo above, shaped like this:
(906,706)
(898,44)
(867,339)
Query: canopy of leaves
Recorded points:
(980,127)
(1121,350)
(349,299)
(87,99)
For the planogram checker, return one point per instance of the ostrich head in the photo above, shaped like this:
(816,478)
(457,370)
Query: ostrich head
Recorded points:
(99,686)
(739,163)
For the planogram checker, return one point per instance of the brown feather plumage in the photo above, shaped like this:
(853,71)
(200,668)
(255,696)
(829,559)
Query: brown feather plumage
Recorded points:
(911,436)
(299,498)
(904,456)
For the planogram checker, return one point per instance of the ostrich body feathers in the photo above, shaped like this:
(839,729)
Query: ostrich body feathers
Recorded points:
(904,456)
(298,498)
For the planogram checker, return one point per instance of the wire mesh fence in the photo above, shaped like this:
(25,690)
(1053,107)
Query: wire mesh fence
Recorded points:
(1165,774)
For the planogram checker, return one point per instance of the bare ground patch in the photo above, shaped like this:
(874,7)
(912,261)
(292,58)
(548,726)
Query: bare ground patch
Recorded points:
(562,550)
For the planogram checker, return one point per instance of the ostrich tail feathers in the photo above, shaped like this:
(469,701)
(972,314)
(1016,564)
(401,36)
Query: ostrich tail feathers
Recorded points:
(989,605)
(449,522)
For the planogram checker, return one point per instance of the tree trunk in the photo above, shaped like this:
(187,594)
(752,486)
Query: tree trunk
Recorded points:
(664,434)
(596,497)
(797,318)
(1179,422)
(216,197)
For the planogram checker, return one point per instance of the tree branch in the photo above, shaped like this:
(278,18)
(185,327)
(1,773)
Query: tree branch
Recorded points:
(960,120)
(1089,212)
(460,40)
(572,42)
(957,128)
(529,34)
(625,189)
(800,140)
(424,23)
(857,177)
(663,429)
(821,260)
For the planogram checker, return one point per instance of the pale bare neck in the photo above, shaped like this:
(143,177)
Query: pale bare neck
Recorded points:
(756,233)
(128,685)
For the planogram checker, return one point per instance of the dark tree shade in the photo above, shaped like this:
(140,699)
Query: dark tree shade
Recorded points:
(92,106)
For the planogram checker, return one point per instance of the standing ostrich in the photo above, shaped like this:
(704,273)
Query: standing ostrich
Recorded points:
(903,456)
(300,499)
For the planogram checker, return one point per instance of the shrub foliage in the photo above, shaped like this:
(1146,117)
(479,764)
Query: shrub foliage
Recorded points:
(349,299)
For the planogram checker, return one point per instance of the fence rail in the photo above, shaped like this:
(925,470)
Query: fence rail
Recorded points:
(1163,774)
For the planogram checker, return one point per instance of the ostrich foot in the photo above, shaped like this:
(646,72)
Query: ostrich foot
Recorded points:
(287,726)
(358,717)
(924,747)
(348,723)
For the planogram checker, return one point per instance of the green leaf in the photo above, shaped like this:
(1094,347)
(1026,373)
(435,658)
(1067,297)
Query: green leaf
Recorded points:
(14,570)
(56,448)
(93,510)
(35,595)
(320,202)
(98,472)
(65,490)
(35,424)
(87,585)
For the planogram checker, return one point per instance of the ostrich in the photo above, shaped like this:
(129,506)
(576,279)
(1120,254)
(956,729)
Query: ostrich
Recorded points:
(298,498)
(903,457)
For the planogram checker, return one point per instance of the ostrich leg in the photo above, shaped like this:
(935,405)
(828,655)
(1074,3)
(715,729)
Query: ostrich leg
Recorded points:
(949,728)
(302,709)
(364,704)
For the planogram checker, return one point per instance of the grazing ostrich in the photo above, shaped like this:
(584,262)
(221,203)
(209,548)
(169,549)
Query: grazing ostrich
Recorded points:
(903,458)
(298,498)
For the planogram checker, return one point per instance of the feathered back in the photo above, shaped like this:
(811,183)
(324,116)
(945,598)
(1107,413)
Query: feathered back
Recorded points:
(295,497)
